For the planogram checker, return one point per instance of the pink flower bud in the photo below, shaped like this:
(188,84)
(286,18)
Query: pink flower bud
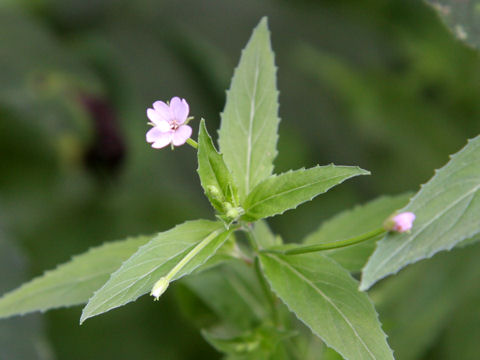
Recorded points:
(401,222)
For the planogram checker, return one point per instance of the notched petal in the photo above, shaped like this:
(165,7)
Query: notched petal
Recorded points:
(179,109)
(181,135)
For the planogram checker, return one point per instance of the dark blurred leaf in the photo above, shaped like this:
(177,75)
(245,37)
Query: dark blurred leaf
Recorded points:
(416,305)
(233,294)
(20,338)
(263,343)
(462,17)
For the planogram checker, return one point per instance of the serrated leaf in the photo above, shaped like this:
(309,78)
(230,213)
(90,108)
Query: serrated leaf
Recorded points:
(286,191)
(325,297)
(214,173)
(248,132)
(446,210)
(154,260)
(461,17)
(71,283)
(359,220)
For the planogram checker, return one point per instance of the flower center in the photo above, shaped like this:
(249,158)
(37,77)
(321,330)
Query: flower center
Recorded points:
(174,125)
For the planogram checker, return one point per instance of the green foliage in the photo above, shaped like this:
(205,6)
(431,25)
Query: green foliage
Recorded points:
(417,305)
(154,260)
(282,192)
(399,93)
(361,219)
(21,338)
(447,210)
(263,343)
(248,134)
(325,297)
(238,304)
(71,283)
(462,17)
(214,175)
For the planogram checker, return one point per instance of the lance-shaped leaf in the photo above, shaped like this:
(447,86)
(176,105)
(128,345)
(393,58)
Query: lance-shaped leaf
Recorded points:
(350,223)
(248,133)
(71,283)
(286,191)
(326,298)
(447,212)
(215,177)
(154,260)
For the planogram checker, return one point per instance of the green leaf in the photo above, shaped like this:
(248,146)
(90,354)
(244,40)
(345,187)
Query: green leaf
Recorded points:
(447,209)
(286,191)
(325,297)
(214,175)
(71,283)
(248,132)
(154,260)
(359,220)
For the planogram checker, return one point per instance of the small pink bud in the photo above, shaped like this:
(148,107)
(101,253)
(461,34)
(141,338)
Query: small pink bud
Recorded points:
(401,222)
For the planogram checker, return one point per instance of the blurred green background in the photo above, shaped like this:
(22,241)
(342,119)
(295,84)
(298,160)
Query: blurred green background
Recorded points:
(379,84)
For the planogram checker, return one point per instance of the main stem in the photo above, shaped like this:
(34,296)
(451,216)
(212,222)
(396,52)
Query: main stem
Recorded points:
(261,279)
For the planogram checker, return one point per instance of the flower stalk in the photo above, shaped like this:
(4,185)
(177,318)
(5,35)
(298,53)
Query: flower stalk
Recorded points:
(332,245)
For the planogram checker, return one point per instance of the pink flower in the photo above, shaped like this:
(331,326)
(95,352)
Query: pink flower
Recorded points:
(169,123)
(401,222)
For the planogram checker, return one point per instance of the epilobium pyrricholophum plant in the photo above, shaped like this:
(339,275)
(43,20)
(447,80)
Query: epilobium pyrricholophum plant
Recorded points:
(247,284)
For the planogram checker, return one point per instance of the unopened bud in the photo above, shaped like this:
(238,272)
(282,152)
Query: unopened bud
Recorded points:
(214,192)
(159,287)
(401,222)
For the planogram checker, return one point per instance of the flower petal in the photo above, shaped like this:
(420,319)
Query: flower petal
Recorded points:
(179,109)
(158,120)
(181,135)
(163,110)
(163,140)
(153,134)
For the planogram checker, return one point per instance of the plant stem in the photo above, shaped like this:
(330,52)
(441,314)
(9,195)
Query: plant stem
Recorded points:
(192,143)
(251,238)
(332,245)
(261,279)
(268,293)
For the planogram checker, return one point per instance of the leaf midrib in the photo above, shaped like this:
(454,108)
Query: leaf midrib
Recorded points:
(250,125)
